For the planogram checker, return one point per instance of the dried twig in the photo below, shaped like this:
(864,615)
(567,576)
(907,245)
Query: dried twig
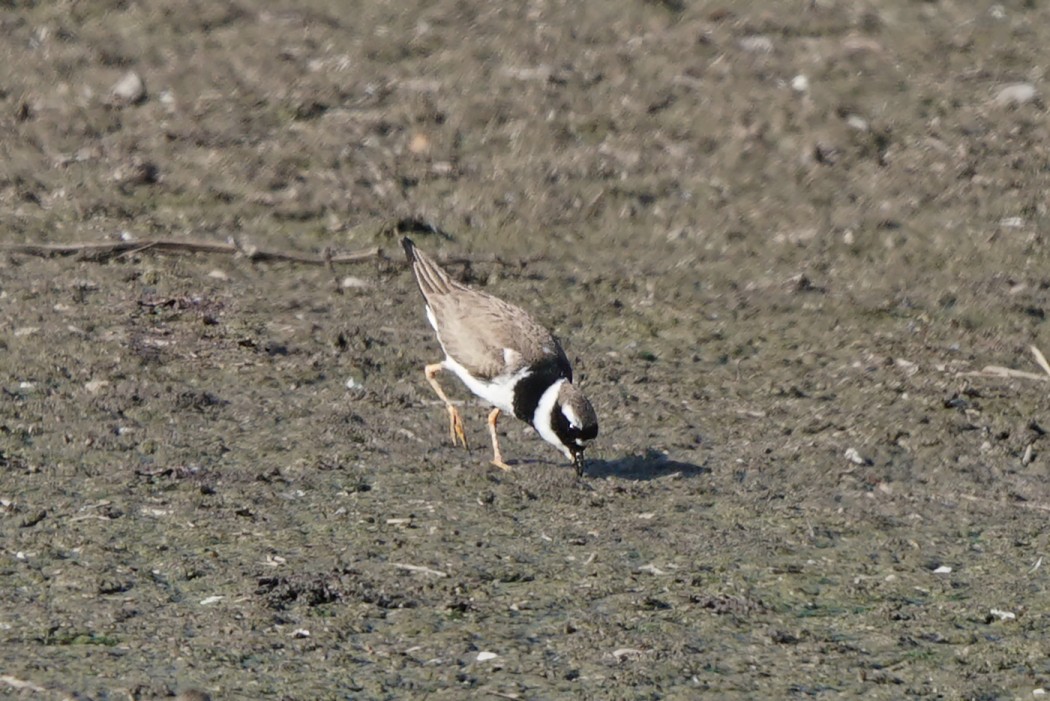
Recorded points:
(105,250)
(110,249)
(16,683)
(999,371)
(1036,506)
(421,569)
(1041,359)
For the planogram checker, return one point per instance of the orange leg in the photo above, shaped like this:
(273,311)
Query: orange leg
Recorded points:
(455,421)
(497,457)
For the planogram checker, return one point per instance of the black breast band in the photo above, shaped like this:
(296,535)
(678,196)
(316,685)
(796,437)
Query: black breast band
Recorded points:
(530,389)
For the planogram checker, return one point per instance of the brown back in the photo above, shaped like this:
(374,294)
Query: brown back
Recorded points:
(475,328)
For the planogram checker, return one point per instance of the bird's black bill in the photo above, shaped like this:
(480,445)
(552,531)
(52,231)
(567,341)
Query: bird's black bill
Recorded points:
(577,461)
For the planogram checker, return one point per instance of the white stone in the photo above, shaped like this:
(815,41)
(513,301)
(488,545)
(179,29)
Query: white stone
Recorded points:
(757,44)
(130,89)
(1015,94)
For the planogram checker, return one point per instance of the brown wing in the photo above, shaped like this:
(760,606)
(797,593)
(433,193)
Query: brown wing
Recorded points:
(477,330)
(474,328)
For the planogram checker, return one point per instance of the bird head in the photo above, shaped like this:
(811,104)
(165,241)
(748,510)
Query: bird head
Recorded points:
(574,423)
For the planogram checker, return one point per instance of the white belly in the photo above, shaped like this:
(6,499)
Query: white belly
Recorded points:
(499,392)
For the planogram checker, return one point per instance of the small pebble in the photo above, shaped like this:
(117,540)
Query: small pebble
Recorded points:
(485,656)
(857,122)
(94,386)
(137,173)
(418,143)
(1003,615)
(1015,94)
(757,44)
(129,90)
(193,695)
(354,283)
(857,46)
(855,457)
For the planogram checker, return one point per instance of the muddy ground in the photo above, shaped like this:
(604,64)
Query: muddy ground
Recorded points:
(780,240)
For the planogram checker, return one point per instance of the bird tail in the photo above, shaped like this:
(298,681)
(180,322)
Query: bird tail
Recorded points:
(431,279)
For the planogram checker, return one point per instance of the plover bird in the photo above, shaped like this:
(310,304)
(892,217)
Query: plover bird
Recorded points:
(505,357)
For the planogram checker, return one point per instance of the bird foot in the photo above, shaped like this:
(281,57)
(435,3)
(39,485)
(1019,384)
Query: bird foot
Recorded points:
(498,462)
(455,427)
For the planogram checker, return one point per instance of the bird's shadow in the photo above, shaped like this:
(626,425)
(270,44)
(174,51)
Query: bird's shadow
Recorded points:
(650,465)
